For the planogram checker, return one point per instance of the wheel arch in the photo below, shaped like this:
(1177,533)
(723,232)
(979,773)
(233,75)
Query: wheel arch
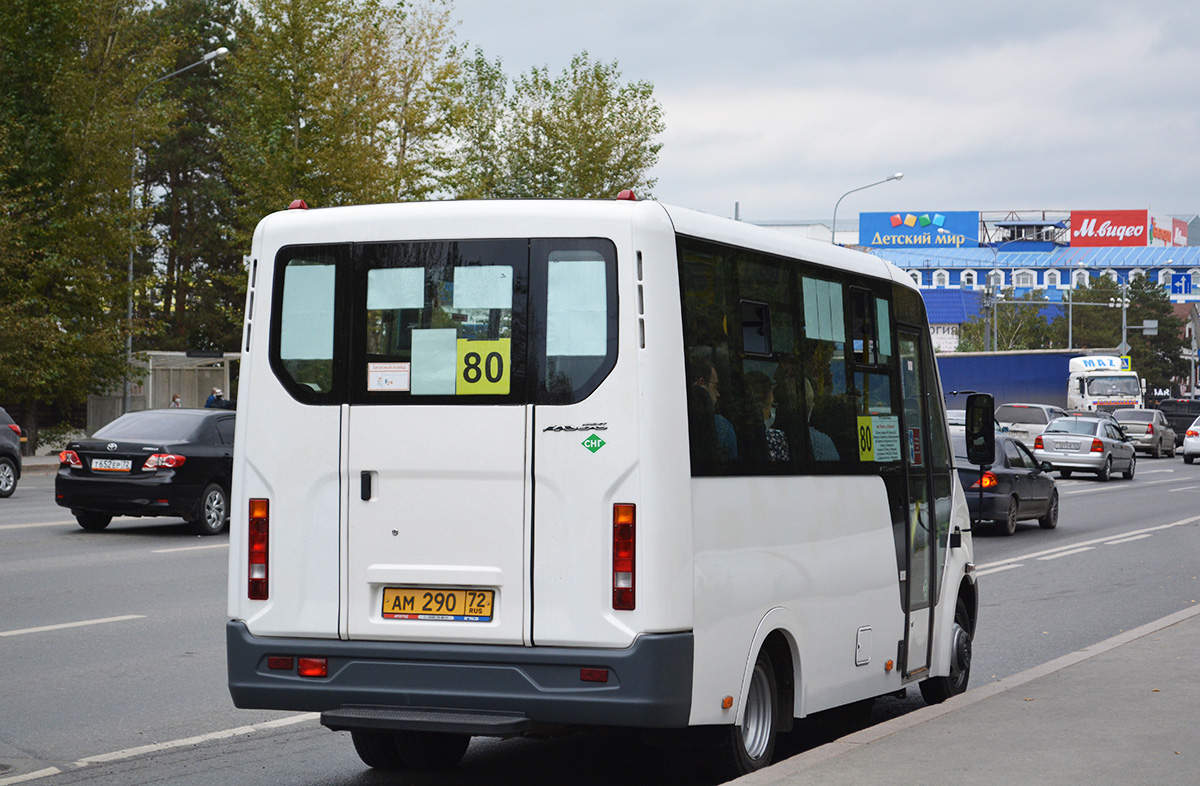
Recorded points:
(775,635)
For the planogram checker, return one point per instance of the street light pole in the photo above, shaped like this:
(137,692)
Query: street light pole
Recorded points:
(833,226)
(207,58)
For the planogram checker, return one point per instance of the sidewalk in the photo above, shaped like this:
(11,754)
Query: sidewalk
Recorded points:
(31,465)
(1118,713)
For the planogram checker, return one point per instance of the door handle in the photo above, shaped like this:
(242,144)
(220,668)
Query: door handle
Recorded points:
(365,491)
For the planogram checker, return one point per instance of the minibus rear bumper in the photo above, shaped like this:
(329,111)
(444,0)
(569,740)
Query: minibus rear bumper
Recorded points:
(401,685)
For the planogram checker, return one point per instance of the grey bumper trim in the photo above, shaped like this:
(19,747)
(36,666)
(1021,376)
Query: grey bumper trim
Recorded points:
(649,683)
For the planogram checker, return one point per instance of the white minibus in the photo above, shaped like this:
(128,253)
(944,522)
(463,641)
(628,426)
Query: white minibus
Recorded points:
(509,467)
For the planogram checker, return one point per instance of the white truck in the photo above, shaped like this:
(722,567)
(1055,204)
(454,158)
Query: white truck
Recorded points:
(1100,382)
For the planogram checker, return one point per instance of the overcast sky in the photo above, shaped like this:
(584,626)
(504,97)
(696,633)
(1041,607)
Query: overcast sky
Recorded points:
(783,106)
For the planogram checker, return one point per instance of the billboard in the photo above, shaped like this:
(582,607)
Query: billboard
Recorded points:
(919,229)
(1094,228)
(1167,231)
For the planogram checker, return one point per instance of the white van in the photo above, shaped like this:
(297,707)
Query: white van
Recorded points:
(505,466)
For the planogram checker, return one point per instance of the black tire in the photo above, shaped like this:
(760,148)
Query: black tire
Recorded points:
(748,746)
(1174,448)
(1064,473)
(1105,473)
(214,510)
(935,690)
(8,477)
(1128,474)
(431,750)
(377,749)
(1008,524)
(1157,452)
(92,522)
(1050,520)
(1188,459)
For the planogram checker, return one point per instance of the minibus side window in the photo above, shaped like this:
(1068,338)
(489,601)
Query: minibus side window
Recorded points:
(577,325)
(306,321)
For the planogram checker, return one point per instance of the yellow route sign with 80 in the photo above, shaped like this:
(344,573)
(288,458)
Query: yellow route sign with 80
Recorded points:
(483,367)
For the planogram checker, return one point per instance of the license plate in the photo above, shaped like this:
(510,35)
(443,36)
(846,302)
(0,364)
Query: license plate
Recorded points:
(1069,445)
(111,465)
(447,605)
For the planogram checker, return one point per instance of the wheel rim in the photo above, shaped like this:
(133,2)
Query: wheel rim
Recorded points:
(960,660)
(7,477)
(1053,509)
(214,510)
(757,720)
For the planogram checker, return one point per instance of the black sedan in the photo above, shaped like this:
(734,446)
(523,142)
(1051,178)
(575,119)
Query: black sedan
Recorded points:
(156,462)
(1015,487)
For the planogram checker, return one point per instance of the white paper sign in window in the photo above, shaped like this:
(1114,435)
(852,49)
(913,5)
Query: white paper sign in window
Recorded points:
(487,286)
(395,288)
(823,314)
(434,361)
(307,321)
(576,305)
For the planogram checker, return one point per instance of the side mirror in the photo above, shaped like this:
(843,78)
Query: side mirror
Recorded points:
(1047,466)
(981,429)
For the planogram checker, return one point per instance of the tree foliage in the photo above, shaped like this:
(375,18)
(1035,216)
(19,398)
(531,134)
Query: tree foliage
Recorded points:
(584,134)
(115,152)
(1019,323)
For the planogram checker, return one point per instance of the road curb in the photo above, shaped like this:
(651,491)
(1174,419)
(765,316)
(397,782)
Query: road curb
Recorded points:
(783,771)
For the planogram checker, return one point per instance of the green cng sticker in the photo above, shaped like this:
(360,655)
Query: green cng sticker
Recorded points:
(593,443)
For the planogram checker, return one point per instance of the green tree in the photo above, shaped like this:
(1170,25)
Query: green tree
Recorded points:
(308,107)
(1158,358)
(584,134)
(197,281)
(1019,324)
(67,79)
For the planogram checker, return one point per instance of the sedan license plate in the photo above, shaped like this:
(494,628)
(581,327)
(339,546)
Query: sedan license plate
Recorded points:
(111,465)
(1069,445)
(427,603)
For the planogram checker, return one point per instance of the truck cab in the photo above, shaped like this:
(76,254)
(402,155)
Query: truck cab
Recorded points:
(1101,383)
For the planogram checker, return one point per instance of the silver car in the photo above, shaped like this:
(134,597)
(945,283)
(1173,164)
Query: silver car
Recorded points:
(1148,429)
(1026,421)
(1081,444)
(1191,442)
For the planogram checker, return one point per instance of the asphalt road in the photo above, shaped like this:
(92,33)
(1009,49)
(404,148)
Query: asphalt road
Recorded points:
(114,670)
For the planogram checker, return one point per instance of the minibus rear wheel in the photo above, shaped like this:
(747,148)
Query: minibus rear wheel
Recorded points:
(747,747)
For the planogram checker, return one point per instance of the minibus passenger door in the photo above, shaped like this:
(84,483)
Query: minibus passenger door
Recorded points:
(921,531)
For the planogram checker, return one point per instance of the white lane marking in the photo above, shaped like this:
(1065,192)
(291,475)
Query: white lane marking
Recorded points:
(1183,488)
(129,753)
(1127,540)
(1092,542)
(64,625)
(30,776)
(192,548)
(38,524)
(998,569)
(1155,471)
(1067,553)
(1116,485)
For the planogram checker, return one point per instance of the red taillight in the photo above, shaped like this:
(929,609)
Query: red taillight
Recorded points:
(280,662)
(166,460)
(258,527)
(1149,428)
(988,480)
(1097,446)
(15,428)
(313,667)
(1037,444)
(70,458)
(1192,433)
(624,531)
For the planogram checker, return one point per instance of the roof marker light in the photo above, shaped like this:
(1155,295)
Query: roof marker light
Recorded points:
(298,204)
(628,195)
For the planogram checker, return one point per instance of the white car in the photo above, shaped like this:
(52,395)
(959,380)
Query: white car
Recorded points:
(1191,442)
(1026,421)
